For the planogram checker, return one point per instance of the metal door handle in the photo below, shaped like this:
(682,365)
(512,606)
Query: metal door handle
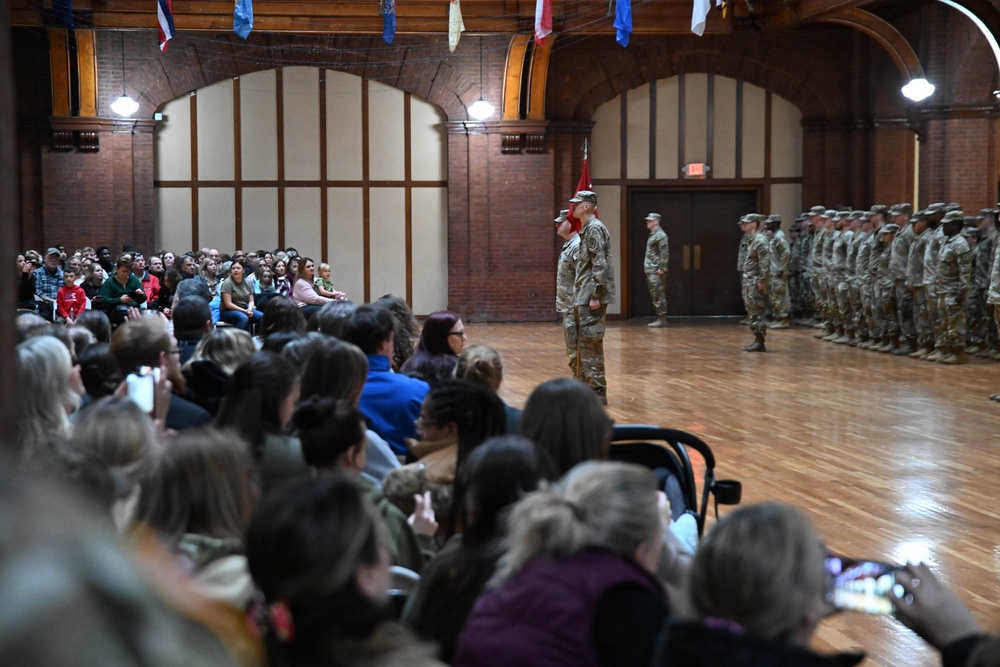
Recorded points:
(687,258)
(697,258)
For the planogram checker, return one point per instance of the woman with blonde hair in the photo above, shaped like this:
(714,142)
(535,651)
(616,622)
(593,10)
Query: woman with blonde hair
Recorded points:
(482,364)
(577,585)
(45,373)
(208,269)
(213,363)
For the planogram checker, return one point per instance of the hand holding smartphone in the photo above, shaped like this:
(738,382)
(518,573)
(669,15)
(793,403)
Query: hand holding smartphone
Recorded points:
(141,387)
(862,585)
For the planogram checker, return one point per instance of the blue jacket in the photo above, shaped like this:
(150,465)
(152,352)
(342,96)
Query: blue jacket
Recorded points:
(391,402)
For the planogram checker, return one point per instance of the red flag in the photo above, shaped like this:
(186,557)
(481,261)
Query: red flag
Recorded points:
(583,184)
(543,21)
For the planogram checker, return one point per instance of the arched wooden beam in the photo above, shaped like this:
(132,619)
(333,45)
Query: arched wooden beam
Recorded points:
(538,78)
(513,73)
(884,34)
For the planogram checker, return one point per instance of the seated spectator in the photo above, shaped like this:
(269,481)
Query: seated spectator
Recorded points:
(188,288)
(303,291)
(567,422)
(146,342)
(299,348)
(282,281)
(238,307)
(199,500)
(315,550)
(26,288)
(192,320)
(497,475)
(98,323)
(71,300)
(93,280)
(208,268)
(333,440)
(482,364)
(338,370)
(577,586)
(259,407)
(456,417)
(99,372)
(441,341)
(391,403)
(324,286)
(82,338)
(758,589)
(210,369)
(48,280)
(150,281)
(45,375)
(331,318)
(121,291)
(263,287)
(407,328)
(104,259)
(168,286)
(282,316)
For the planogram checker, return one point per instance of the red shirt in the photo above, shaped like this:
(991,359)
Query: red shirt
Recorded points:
(70,302)
(151,286)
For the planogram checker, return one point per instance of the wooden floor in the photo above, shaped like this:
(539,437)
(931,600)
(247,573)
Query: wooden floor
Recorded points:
(894,459)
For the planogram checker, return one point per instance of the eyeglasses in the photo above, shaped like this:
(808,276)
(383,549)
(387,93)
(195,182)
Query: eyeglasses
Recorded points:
(460,332)
(173,351)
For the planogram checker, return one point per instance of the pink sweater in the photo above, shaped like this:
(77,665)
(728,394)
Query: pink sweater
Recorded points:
(304,295)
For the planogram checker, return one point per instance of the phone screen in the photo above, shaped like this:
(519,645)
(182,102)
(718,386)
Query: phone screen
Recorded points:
(142,387)
(861,585)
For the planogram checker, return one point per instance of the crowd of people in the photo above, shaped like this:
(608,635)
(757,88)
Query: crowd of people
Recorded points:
(338,485)
(924,284)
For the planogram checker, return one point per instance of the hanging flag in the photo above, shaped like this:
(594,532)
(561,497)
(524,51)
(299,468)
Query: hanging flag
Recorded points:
(243,18)
(455,25)
(165,20)
(583,184)
(388,10)
(543,21)
(699,14)
(623,21)
(725,7)
(62,12)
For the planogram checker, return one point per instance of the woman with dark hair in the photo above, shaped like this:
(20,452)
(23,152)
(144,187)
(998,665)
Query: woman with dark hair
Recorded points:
(316,551)
(407,328)
(168,286)
(304,292)
(456,417)
(338,370)
(237,305)
(333,440)
(282,281)
(441,341)
(566,420)
(259,406)
(98,323)
(121,291)
(199,499)
(497,475)
(282,315)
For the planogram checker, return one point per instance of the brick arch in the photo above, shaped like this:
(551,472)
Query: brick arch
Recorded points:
(412,66)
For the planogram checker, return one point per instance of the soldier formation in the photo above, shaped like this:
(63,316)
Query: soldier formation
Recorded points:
(918,284)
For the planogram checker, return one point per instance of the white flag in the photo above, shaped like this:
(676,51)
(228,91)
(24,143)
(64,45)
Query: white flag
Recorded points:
(455,25)
(699,14)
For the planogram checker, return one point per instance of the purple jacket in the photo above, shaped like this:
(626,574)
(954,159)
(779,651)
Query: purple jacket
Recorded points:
(543,615)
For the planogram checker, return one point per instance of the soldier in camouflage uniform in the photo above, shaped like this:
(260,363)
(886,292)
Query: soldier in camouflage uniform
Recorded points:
(870,248)
(781,254)
(952,281)
(899,255)
(917,285)
(797,240)
(756,275)
(861,228)
(655,267)
(594,289)
(815,261)
(740,258)
(993,295)
(822,266)
(838,275)
(565,283)
(935,214)
(980,316)
(885,292)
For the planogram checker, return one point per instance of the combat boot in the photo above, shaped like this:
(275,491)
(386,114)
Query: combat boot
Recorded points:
(906,348)
(920,352)
(995,397)
(843,340)
(658,323)
(975,348)
(863,342)
(886,345)
(938,353)
(780,324)
(833,335)
(952,357)
(757,345)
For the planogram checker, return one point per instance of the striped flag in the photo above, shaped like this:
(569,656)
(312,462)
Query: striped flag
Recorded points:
(165,20)
(243,18)
(456,26)
(543,21)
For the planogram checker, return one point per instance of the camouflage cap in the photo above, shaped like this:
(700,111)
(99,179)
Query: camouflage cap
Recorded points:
(937,206)
(953,216)
(585,196)
(817,210)
(971,233)
(971,221)
(918,215)
(986,213)
(901,209)
(879,209)
(829,213)
(866,216)
(855,215)
(891,228)
(654,216)
(774,217)
(563,215)
(948,208)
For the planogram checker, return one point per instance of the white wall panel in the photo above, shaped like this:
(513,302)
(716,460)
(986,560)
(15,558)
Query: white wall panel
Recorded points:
(385,133)
(215,131)
(346,242)
(637,132)
(724,129)
(609,206)
(430,250)
(260,219)
(173,211)
(217,218)
(695,118)
(173,141)
(258,119)
(605,152)
(667,119)
(387,249)
(301,122)
(302,221)
(786,138)
(786,200)
(343,126)
(754,113)
(428,142)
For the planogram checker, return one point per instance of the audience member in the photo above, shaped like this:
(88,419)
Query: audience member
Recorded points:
(44,373)
(407,328)
(192,320)
(482,364)
(71,300)
(121,291)
(47,284)
(441,341)
(238,306)
(331,318)
(282,315)
(304,292)
(99,372)
(210,369)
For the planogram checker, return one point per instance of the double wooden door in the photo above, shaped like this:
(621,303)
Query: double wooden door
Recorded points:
(704,244)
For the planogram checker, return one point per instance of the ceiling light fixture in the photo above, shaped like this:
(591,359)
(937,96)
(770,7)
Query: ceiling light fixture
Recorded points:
(124,105)
(481,109)
(918,89)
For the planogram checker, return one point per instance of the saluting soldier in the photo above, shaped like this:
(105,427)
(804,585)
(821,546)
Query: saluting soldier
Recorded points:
(594,289)
(655,266)
(565,284)
(756,274)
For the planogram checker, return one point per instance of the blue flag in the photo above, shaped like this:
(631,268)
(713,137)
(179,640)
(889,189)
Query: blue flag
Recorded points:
(243,18)
(623,21)
(62,12)
(388,10)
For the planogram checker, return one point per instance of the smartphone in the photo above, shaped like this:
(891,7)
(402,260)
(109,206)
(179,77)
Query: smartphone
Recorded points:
(142,387)
(862,585)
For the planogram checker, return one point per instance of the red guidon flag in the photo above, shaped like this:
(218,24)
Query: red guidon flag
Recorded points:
(543,21)
(583,184)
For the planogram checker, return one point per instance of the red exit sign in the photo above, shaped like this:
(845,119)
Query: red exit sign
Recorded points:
(696,169)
